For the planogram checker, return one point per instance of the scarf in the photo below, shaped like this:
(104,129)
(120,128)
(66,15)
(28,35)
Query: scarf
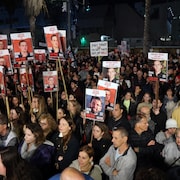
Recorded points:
(27,154)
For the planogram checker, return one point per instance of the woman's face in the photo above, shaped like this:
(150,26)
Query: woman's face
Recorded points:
(29,136)
(70,107)
(15,101)
(44,124)
(97,132)
(63,126)
(83,159)
(13,114)
(60,113)
(35,104)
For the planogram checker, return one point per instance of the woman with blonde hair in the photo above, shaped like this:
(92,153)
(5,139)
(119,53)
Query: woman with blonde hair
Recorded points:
(48,125)
(38,107)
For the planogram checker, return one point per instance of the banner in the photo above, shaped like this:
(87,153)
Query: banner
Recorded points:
(99,48)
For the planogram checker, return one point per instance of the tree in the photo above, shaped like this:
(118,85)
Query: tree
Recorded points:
(11,6)
(146,42)
(33,9)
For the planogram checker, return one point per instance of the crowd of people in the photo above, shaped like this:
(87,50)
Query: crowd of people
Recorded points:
(45,137)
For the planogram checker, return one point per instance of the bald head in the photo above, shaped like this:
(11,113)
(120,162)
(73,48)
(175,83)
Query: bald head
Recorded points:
(71,174)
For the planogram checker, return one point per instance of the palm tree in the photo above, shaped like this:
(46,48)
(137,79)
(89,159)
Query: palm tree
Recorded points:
(146,42)
(33,9)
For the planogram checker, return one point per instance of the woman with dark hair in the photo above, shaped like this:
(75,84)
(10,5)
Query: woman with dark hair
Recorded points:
(66,144)
(35,150)
(85,163)
(101,140)
(74,109)
(13,167)
(17,120)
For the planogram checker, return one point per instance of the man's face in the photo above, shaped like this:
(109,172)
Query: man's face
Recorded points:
(51,81)
(23,47)
(157,66)
(117,112)
(143,124)
(117,139)
(2,61)
(96,106)
(54,42)
(108,95)
(111,73)
(1,45)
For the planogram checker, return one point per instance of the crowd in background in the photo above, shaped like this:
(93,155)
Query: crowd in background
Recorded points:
(139,136)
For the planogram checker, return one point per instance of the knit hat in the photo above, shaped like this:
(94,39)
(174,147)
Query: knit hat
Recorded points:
(171,123)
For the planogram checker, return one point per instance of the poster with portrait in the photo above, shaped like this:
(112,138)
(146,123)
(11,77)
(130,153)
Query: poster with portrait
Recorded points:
(124,48)
(3,41)
(22,48)
(95,104)
(31,79)
(110,89)
(111,71)
(53,42)
(23,76)
(2,81)
(158,63)
(50,80)
(5,61)
(40,56)
(63,40)
(15,77)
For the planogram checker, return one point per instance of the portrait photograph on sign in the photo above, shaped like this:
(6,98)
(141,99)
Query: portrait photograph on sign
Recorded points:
(2,82)
(3,41)
(158,63)
(95,104)
(39,55)
(50,79)
(53,42)
(30,79)
(62,34)
(110,89)
(5,61)
(111,71)
(23,79)
(22,48)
